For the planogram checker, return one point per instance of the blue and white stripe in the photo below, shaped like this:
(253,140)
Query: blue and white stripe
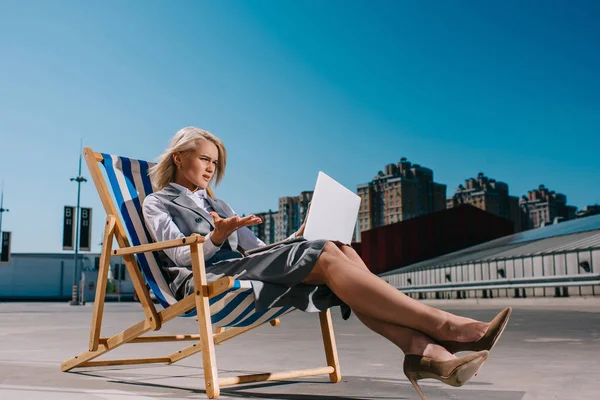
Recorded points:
(130,185)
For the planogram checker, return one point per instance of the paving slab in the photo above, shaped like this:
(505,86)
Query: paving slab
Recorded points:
(549,351)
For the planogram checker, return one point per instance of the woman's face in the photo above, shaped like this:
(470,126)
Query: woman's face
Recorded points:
(197,166)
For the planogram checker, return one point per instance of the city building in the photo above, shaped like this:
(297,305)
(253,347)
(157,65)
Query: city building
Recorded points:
(266,230)
(291,213)
(588,211)
(542,207)
(552,253)
(404,191)
(489,195)
(404,243)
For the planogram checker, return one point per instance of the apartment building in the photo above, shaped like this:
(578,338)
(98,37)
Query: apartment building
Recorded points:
(403,191)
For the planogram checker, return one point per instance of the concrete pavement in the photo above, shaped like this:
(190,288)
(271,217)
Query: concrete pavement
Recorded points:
(551,350)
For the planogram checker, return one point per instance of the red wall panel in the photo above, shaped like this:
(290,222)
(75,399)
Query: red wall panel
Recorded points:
(422,238)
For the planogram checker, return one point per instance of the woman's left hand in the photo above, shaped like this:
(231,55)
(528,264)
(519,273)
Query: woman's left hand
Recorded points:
(226,226)
(300,231)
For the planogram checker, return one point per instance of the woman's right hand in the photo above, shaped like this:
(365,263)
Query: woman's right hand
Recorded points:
(226,226)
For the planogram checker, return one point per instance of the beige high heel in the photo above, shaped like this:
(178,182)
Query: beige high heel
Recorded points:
(488,340)
(452,372)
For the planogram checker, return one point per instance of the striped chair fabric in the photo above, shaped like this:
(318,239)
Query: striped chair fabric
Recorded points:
(130,185)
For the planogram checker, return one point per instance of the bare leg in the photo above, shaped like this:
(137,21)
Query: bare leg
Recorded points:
(408,340)
(351,254)
(380,301)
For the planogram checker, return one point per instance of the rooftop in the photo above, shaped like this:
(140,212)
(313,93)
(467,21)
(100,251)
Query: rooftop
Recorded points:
(579,234)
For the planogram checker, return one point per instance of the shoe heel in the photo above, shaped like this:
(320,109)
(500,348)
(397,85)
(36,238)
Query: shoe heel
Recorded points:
(413,378)
(465,372)
(452,372)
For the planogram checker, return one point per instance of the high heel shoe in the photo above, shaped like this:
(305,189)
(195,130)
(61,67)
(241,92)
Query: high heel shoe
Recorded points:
(452,372)
(487,341)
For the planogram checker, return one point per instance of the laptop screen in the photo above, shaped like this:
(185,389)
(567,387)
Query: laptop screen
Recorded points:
(333,211)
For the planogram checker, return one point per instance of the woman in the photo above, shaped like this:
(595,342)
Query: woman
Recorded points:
(309,275)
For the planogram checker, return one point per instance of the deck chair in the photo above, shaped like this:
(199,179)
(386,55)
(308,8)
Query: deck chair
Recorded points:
(226,304)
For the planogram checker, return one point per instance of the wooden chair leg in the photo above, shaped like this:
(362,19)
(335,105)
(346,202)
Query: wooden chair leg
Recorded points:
(101,283)
(209,362)
(330,347)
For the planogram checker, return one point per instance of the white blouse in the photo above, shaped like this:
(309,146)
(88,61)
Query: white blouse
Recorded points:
(161,227)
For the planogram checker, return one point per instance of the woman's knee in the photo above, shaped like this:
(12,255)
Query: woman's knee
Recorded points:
(315,277)
(332,248)
(329,255)
(348,250)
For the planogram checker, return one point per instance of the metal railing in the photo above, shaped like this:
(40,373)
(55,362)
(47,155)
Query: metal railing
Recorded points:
(587,279)
(538,272)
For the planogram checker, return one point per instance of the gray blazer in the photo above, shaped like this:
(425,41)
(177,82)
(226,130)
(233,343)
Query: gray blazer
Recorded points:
(190,218)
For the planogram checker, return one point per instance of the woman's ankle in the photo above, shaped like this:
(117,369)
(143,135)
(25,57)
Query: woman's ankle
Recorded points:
(437,352)
(461,329)
(422,345)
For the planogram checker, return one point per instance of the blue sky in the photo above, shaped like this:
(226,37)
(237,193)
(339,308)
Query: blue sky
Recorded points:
(507,88)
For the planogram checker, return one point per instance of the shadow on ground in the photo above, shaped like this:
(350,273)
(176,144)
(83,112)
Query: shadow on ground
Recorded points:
(350,388)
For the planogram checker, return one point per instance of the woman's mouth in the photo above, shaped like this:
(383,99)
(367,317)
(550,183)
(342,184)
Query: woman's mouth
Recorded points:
(206,177)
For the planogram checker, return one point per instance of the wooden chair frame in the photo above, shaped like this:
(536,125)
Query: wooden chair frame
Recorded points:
(205,339)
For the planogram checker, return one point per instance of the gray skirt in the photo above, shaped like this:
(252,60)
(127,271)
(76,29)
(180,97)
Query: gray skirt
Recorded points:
(276,276)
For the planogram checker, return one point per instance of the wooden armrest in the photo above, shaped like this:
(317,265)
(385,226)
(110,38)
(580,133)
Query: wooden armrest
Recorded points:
(219,286)
(167,244)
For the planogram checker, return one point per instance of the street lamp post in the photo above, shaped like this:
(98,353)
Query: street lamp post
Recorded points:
(2,209)
(79,179)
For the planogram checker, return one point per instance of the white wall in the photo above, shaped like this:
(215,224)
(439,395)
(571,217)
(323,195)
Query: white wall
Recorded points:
(536,266)
(49,277)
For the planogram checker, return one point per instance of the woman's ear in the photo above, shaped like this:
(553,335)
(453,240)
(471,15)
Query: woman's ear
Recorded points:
(177,159)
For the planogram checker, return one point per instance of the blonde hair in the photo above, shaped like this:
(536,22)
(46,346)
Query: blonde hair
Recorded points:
(163,172)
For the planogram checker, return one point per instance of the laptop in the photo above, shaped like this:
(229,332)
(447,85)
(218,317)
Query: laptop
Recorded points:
(332,214)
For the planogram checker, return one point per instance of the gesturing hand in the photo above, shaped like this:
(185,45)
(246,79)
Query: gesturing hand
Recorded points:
(226,226)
